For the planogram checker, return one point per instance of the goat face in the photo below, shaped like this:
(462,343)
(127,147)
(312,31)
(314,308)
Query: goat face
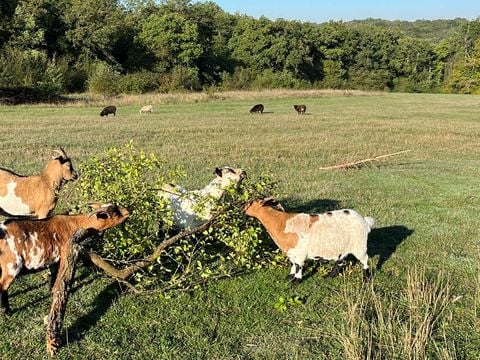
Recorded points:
(107,216)
(254,206)
(229,175)
(68,173)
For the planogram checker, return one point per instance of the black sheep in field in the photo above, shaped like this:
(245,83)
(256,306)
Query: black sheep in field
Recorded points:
(257,109)
(109,110)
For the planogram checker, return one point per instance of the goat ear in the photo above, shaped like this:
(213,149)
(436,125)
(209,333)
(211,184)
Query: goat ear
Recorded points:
(102,215)
(218,171)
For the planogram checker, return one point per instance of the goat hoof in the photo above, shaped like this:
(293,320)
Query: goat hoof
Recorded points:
(52,347)
(6,311)
(294,281)
(367,276)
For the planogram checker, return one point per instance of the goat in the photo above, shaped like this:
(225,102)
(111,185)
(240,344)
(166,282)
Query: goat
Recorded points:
(300,109)
(109,110)
(35,195)
(193,208)
(37,244)
(257,109)
(146,109)
(329,236)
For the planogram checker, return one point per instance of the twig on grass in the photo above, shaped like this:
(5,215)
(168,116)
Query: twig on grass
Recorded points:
(359,163)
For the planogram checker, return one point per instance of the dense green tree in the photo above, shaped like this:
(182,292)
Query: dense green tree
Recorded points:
(278,46)
(7,9)
(93,27)
(38,25)
(215,30)
(463,73)
(172,38)
(145,45)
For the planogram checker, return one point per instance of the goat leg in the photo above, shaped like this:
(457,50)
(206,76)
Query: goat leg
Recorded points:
(367,275)
(53,274)
(4,304)
(335,270)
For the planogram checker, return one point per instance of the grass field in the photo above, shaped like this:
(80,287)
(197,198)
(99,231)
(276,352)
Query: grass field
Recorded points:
(424,301)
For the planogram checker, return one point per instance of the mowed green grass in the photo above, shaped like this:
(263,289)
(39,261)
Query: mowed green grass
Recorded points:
(425,202)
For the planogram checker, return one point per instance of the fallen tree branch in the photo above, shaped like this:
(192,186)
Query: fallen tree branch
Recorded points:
(123,274)
(361,162)
(61,291)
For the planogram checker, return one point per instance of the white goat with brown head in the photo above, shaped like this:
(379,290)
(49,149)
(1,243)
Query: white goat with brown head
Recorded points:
(329,236)
(35,195)
(37,244)
(193,208)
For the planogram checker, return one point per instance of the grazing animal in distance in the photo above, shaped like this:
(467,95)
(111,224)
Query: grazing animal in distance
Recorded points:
(146,109)
(35,195)
(109,110)
(257,109)
(185,204)
(329,236)
(37,244)
(300,109)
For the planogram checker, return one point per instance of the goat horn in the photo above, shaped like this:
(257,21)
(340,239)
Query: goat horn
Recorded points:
(60,152)
(280,207)
(94,205)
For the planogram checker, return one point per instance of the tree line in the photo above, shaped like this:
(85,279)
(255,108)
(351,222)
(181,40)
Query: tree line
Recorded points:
(137,46)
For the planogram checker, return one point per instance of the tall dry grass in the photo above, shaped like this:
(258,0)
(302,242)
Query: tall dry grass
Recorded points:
(408,325)
(206,96)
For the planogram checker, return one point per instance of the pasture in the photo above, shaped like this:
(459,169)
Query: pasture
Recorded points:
(424,301)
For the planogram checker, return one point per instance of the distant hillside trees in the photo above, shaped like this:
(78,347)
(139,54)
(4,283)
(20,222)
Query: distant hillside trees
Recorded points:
(135,46)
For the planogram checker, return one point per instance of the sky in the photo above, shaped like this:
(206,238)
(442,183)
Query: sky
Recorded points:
(325,10)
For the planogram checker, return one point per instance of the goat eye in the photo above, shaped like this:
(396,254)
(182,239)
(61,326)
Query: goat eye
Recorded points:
(102,215)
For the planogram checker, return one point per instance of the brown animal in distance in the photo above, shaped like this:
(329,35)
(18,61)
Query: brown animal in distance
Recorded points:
(257,109)
(300,109)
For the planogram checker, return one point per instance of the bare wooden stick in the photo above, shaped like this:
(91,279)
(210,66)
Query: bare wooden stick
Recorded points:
(360,162)
(61,291)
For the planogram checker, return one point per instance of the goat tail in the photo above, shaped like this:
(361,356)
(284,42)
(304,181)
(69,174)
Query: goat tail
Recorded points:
(370,221)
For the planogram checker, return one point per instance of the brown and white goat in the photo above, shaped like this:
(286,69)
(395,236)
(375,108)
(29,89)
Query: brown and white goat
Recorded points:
(37,244)
(35,195)
(329,236)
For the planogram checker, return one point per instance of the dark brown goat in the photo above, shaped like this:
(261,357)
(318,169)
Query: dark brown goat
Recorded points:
(109,110)
(37,244)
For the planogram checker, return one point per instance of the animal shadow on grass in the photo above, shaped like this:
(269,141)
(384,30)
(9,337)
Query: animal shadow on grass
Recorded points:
(101,304)
(384,242)
(79,282)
